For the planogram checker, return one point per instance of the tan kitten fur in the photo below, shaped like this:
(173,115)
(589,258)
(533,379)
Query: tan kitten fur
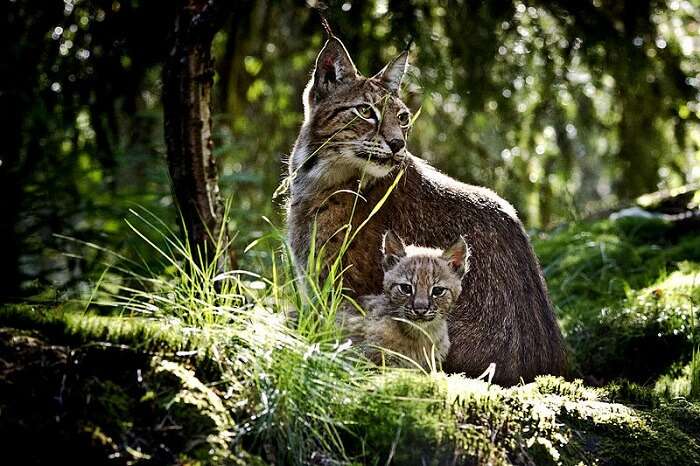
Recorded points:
(420,288)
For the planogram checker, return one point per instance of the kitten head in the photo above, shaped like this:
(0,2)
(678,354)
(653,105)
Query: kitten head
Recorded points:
(422,284)
(352,123)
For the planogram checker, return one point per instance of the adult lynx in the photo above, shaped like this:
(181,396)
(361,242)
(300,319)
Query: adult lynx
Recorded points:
(355,127)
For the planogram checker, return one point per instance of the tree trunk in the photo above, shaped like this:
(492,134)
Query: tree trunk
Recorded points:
(187,87)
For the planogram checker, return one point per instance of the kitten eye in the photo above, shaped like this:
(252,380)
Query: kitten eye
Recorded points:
(404,119)
(406,289)
(438,291)
(365,112)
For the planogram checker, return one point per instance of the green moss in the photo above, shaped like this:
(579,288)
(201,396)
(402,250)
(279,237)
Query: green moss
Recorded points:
(634,437)
(684,414)
(405,417)
(139,400)
(624,391)
(627,292)
(440,420)
(574,390)
(675,383)
(109,402)
(197,411)
(68,326)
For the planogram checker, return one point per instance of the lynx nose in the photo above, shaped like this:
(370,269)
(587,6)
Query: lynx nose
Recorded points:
(422,313)
(396,145)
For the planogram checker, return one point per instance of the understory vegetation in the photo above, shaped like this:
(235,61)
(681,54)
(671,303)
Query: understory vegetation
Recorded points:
(198,368)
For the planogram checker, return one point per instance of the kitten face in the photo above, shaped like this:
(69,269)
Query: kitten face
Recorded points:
(353,123)
(422,284)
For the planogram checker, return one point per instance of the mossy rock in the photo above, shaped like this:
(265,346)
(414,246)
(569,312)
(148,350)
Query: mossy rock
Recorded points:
(102,403)
(580,425)
(409,418)
(626,293)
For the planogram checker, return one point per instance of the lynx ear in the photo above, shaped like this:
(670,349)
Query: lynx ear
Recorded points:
(392,74)
(334,67)
(457,256)
(393,250)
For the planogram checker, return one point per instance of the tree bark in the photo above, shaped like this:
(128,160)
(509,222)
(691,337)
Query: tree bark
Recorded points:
(187,88)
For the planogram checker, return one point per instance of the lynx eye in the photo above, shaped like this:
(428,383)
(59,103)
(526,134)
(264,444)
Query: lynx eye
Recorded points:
(365,112)
(406,289)
(404,119)
(438,291)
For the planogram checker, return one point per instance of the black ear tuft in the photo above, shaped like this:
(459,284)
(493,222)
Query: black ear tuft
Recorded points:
(393,249)
(392,74)
(324,23)
(457,256)
(334,67)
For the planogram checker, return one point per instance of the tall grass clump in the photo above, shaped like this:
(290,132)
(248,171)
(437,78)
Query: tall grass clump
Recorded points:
(293,383)
(283,383)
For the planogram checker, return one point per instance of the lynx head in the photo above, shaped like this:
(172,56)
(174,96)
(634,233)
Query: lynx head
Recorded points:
(351,122)
(422,284)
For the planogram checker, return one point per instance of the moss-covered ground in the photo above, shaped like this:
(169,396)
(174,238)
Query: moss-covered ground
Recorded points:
(627,293)
(80,388)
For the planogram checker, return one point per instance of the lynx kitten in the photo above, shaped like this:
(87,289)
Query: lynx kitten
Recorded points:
(420,287)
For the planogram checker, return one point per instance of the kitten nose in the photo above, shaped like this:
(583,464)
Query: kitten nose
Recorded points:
(420,304)
(396,145)
(422,313)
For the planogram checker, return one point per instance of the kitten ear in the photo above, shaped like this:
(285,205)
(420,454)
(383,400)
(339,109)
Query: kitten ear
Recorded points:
(457,256)
(392,74)
(393,249)
(334,67)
